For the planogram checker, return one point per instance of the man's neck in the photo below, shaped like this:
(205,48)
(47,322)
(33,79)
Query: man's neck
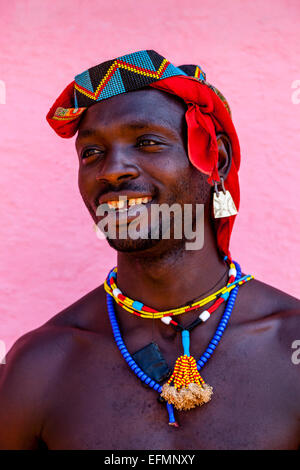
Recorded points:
(172,278)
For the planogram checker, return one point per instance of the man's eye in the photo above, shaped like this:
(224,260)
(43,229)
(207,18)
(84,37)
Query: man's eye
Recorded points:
(90,153)
(146,142)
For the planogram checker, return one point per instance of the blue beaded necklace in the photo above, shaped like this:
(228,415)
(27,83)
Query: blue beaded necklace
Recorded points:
(200,363)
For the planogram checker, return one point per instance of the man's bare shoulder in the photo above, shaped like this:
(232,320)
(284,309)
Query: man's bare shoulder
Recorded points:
(263,300)
(261,304)
(43,350)
(266,310)
(87,313)
(36,361)
(266,320)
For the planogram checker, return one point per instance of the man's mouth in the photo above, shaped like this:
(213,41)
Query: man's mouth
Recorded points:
(125,207)
(122,205)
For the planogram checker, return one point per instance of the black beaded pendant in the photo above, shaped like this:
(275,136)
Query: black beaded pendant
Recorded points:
(152,362)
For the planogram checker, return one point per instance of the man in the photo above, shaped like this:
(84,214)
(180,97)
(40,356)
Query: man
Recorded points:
(155,134)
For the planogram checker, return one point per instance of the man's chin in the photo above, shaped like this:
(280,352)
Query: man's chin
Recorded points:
(130,246)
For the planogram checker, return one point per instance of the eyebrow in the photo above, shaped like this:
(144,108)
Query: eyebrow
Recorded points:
(86,133)
(133,125)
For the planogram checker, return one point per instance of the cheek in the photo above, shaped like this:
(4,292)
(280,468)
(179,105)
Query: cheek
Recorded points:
(201,188)
(170,167)
(85,192)
(178,162)
(81,183)
(85,189)
(85,182)
(194,186)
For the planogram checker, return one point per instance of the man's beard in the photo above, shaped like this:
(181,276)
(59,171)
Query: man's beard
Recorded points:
(130,246)
(151,230)
(150,235)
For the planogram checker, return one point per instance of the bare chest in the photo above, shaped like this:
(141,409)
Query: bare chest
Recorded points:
(99,403)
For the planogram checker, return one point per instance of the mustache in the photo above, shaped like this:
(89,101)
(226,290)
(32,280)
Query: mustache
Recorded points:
(134,187)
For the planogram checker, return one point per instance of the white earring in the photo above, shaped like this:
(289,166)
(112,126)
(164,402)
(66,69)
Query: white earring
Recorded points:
(223,204)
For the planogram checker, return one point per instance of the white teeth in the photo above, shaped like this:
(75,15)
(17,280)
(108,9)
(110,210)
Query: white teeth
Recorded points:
(139,200)
(116,204)
(132,202)
(112,204)
(121,204)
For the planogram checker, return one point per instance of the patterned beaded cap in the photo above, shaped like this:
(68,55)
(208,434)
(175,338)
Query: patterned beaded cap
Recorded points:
(125,73)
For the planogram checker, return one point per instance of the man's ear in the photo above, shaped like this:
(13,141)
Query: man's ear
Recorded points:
(225,155)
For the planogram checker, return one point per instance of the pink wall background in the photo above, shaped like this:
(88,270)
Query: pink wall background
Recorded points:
(249,49)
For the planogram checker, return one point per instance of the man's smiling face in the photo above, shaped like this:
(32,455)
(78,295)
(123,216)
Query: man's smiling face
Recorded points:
(134,145)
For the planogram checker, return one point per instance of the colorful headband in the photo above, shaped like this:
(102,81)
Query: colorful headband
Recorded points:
(207,114)
(121,75)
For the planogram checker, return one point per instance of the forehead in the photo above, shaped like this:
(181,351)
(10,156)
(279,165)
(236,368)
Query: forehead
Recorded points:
(141,108)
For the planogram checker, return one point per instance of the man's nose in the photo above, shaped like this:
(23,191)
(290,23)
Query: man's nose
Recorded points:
(117,168)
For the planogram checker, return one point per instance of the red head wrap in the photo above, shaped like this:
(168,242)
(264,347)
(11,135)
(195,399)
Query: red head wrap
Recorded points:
(207,116)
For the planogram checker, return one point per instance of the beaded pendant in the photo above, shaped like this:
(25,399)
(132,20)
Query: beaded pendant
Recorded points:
(152,362)
(189,389)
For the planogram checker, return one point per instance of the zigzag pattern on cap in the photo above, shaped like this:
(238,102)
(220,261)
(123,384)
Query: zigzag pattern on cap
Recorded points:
(126,73)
